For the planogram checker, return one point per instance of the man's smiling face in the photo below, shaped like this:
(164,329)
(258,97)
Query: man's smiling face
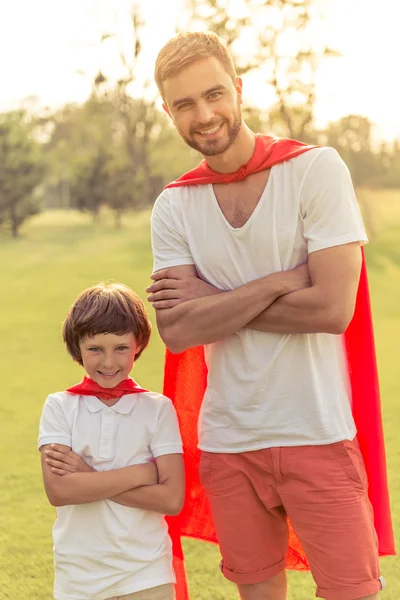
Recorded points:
(204,104)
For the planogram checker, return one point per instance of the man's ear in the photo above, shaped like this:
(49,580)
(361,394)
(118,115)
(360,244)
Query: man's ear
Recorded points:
(239,88)
(166,109)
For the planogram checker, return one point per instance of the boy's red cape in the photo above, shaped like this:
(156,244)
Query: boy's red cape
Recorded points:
(186,379)
(88,387)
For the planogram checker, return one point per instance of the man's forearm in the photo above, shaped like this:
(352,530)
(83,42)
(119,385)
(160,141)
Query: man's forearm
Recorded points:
(161,498)
(82,488)
(210,318)
(303,311)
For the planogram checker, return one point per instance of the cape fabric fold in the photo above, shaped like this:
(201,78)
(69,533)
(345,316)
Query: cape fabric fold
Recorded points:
(88,387)
(185,381)
(267,153)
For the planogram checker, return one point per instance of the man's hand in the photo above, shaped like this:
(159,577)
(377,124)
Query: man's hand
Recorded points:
(170,289)
(63,460)
(298,278)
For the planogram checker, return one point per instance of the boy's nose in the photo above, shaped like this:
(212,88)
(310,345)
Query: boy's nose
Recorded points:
(108,363)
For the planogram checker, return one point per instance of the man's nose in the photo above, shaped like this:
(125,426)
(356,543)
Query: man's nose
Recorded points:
(204,113)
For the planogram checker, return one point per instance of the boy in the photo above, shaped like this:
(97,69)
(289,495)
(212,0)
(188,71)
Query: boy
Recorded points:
(97,442)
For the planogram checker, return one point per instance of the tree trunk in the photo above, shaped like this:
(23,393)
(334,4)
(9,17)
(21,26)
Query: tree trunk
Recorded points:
(118,218)
(14,222)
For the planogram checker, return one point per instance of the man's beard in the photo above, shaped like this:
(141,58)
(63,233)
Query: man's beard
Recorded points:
(217,146)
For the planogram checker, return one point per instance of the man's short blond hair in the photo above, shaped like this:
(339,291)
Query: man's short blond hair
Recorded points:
(185,49)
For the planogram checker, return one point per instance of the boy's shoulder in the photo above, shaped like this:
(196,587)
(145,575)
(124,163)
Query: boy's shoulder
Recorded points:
(60,398)
(155,400)
(153,408)
(61,402)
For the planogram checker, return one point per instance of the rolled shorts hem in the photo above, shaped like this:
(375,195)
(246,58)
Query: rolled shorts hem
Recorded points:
(364,589)
(250,578)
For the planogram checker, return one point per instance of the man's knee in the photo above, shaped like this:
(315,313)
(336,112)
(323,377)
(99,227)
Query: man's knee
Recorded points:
(272,589)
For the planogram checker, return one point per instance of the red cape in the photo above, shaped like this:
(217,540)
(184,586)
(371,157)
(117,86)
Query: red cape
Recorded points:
(186,377)
(88,387)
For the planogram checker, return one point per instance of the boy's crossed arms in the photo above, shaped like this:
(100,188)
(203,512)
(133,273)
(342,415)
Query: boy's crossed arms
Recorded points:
(68,479)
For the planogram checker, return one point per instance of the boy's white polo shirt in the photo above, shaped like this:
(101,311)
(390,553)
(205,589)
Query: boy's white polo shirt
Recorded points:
(103,549)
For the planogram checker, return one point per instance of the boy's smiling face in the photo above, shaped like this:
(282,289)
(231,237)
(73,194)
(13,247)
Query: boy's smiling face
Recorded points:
(108,358)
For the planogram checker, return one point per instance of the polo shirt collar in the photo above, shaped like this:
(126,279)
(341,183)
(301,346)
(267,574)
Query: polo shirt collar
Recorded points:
(124,405)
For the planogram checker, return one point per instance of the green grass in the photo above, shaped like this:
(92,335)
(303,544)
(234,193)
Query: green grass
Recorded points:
(58,255)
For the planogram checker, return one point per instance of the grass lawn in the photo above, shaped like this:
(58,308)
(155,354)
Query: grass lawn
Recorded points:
(58,255)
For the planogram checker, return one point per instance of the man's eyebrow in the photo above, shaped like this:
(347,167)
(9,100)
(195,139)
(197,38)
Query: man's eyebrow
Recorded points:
(215,88)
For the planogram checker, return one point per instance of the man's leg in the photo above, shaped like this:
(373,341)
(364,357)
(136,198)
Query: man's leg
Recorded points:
(273,589)
(324,491)
(253,538)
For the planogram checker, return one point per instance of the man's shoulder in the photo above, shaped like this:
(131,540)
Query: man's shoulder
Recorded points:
(323,161)
(171,195)
(314,155)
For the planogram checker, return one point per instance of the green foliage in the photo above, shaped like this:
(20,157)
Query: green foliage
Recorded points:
(60,254)
(21,169)
(351,136)
(119,151)
(277,38)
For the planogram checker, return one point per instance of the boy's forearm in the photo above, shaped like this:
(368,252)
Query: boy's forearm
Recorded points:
(161,498)
(82,488)
(210,318)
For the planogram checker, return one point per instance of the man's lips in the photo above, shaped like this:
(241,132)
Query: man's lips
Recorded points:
(211,131)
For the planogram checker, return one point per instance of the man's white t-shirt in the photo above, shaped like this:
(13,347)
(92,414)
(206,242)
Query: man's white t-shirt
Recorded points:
(267,389)
(104,549)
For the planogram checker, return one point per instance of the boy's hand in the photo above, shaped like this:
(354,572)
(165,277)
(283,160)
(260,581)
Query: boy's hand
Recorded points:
(63,461)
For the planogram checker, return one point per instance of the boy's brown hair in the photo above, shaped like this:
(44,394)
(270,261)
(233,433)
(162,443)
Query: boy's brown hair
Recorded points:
(186,48)
(106,308)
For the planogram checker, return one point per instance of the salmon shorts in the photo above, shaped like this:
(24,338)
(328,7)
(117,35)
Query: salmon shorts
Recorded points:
(321,489)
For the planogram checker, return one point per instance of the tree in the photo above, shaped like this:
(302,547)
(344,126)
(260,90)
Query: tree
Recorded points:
(389,161)
(284,48)
(90,188)
(21,169)
(109,139)
(351,137)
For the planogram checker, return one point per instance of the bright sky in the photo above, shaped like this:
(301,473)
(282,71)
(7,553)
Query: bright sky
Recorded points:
(44,43)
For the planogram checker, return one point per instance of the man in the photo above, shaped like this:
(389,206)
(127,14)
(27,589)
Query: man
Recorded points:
(261,265)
